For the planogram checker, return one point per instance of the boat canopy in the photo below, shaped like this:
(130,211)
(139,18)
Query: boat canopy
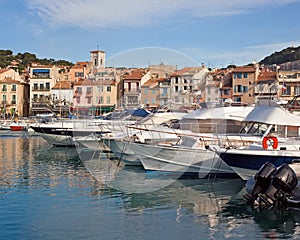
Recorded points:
(273,114)
(231,112)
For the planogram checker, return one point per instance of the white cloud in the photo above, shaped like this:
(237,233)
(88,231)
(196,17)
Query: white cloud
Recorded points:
(109,13)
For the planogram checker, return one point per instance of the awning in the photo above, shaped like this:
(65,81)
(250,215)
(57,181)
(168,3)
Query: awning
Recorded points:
(41,71)
(103,109)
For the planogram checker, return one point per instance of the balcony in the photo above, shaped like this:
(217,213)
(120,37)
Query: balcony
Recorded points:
(37,89)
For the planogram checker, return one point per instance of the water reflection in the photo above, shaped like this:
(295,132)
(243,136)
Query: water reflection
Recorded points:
(47,193)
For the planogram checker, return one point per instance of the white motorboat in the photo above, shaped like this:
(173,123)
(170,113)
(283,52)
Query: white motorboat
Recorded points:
(280,143)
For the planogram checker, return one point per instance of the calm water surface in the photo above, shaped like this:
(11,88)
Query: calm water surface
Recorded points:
(47,193)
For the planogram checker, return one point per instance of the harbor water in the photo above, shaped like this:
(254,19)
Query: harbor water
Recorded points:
(48,192)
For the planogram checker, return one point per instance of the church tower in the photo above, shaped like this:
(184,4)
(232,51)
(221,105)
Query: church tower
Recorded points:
(98,59)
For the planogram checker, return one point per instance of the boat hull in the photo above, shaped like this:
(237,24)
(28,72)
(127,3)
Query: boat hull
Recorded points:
(247,162)
(199,163)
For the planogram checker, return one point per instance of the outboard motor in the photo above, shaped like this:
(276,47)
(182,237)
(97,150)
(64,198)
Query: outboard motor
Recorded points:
(262,181)
(281,187)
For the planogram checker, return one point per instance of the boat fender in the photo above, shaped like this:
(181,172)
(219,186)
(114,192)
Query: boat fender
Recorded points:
(270,141)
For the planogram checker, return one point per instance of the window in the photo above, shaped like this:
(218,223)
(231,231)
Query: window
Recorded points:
(245,75)
(4,99)
(153,100)
(47,85)
(13,99)
(297,90)
(79,90)
(41,86)
(100,101)
(89,100)
(108,88)
(100,88)
(88,90)
(287,91)
(14,88)
(146,100)
(78,100)
(4,88)
(78,74)
(153,91)
(239,75)
(245,88)
(208,90)
(146,90)
(35,86)
(108,99)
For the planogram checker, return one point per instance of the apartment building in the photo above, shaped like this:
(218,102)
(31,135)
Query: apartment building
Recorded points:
(131,88)
(150,93)
(243,83)
(290,82)
(14,94)
(42,80)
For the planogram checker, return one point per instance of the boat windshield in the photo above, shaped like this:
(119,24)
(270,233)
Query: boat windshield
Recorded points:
(256,129)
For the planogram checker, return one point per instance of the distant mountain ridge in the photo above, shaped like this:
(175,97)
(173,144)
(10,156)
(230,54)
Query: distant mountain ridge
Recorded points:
(289,54)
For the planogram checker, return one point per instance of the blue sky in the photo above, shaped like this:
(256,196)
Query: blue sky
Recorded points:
(136,33)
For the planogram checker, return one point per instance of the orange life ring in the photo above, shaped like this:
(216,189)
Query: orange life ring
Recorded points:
(270,141)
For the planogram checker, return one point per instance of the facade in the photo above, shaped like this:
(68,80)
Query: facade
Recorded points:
(13,94)
(78,71)
(243,81)
(62,97)
(212,91)
(131,89)
(266,85)
(290,82)
(150,94)
(42,80)
(186,84)
(82,99)
(105,98)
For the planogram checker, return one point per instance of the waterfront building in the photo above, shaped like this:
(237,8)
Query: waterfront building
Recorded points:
(42,80)
(290,84)
(243,82)
(186,84)
(105,97)
(132,87)
(62,97)
(150,93)
(266,85)
(14,94)
(82,99)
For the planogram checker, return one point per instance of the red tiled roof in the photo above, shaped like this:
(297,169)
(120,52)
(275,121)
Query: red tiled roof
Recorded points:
(151,82)
(9,80)
(247,69)
(84,82)
(62,85)
(105,82)
(266,76)
(136,74)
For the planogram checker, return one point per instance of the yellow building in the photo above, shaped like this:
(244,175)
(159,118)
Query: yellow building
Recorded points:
(13,94)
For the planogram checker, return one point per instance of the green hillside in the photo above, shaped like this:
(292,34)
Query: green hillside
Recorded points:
(289,54)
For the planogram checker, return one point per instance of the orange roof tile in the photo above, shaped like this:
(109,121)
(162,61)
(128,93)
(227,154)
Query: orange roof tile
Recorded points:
(62,85)
(136,74)
(264,76)
(151,83)
(244,69)
(9,80)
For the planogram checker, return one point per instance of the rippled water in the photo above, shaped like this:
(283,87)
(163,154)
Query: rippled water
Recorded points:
(47,193)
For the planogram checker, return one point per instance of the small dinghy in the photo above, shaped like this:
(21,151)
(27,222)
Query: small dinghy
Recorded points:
(273,186)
